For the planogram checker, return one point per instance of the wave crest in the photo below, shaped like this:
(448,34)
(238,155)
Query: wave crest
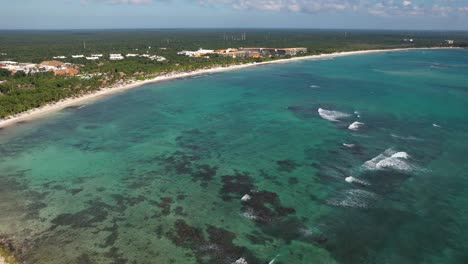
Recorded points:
(333,116)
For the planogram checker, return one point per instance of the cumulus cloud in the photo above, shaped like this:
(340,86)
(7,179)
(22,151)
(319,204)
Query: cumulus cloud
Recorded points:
(373,7)
(132,2)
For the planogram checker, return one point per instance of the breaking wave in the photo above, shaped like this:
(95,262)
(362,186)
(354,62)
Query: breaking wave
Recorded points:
(390,160)
(355,126)
(351,179)
(333,116)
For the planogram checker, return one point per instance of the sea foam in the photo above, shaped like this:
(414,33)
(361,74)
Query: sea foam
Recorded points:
(351,179)
(355,126)
(333,116)
(389,159)
(355,198)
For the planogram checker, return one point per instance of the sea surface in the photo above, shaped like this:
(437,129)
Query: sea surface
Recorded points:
(258,165)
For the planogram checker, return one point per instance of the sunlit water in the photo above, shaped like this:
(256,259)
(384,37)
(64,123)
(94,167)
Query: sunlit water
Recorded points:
(242,166)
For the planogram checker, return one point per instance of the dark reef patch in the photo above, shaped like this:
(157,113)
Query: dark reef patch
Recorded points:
(123,201)
(195,140)
(259,238)
(204,173)
(235,186)
(165,206)
(76,191)
(179,211)
(217,247)
(181,197)
(83,259)
(287,165)
(293,180)
(117,258)
(265,206)
(179,162)
(95,213)
(112,237)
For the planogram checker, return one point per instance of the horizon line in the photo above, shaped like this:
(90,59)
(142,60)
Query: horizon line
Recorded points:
(232,28)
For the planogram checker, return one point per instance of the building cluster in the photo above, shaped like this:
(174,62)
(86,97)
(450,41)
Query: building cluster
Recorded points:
(58,67)
(245,52)
(112,57)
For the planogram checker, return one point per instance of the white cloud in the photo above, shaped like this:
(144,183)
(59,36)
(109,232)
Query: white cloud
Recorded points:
(376,8)
(131,2)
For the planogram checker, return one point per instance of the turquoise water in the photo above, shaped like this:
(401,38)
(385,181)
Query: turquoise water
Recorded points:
(240,164)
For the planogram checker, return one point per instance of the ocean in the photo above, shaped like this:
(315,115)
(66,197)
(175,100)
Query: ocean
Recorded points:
(355,159)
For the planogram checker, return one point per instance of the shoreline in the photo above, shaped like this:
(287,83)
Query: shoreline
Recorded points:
(59,105)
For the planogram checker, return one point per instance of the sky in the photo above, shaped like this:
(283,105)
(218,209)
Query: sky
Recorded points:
(120,14)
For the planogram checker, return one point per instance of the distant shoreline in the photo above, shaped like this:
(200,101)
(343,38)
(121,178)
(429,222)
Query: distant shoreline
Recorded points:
(59,105)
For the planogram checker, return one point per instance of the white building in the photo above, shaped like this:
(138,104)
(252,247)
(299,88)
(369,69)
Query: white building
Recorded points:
(116,57)
(131,55)
(59,57)
(9,62)
(92,58)
(197,53)
(450,41)
(77,56)
(96,55)
(157,58)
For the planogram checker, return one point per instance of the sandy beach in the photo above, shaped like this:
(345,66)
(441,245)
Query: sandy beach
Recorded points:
(38,112)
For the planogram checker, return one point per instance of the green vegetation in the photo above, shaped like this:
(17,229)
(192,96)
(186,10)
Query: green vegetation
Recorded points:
(21,92)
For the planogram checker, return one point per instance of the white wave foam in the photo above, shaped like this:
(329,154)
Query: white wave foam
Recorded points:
(314,86)
(349,145)
(390,159)
(240,261)
(401,155)
(436,125)
(273,260)
(355,126)
(355,198)
(351,179)
(250,214)
(407,138)
(246,198)
(333,116)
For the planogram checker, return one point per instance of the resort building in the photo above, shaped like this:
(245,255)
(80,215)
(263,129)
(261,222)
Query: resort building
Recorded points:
(96,55)
(59,57)
(92,58)
(199,53)
(9,62)
(259,52)
(77,56)
(58,67)
(277,51)
(157,58)
(116,57)
(131,55)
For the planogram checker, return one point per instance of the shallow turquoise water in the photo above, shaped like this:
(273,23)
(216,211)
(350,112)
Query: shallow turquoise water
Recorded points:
(156,174)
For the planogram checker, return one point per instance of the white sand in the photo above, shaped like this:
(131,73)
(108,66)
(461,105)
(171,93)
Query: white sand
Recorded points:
(37,112)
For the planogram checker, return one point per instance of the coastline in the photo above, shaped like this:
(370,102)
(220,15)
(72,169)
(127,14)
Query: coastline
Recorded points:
(59,105)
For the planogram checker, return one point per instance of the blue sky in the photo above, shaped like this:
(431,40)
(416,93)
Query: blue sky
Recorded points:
(370,14)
